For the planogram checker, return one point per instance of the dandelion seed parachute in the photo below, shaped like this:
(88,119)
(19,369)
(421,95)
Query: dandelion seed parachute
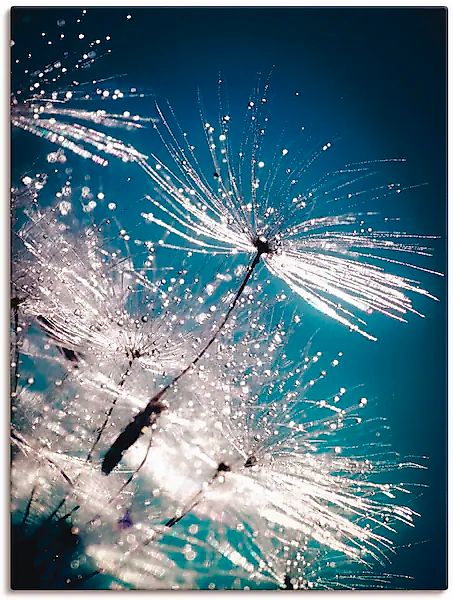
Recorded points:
(296,565)
(278,214)
(116,329)
(268,562)
(255,452)
(90,298)
(67,522)
(49,107)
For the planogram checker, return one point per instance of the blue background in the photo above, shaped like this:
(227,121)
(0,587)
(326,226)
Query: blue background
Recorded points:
(374,79)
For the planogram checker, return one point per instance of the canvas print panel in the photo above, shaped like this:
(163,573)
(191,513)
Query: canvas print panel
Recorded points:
(228,299)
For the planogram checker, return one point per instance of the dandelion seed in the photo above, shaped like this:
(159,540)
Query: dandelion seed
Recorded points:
(276,452)
(323,259)
(52,114)
(324,266)
(95,306)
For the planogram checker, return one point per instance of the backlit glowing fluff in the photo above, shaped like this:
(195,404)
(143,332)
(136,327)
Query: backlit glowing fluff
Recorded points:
(246,346)
(268,561)
(59,491)
(91,300)
(115,328)
(255,451)
(246,339)
(52,433)
(65,481)
(55,493)
(142,557)
(110,528)
(233,200)
(74,528)
(56,106)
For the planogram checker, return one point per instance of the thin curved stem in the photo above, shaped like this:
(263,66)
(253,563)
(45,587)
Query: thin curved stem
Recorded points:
(109,412)
(222,467)
(149,415)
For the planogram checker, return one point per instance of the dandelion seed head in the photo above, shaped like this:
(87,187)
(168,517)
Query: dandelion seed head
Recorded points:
(340,270)
(271,452)
(53,113)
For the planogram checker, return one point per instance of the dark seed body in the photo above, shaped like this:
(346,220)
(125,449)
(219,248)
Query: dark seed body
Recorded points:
(130,435)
